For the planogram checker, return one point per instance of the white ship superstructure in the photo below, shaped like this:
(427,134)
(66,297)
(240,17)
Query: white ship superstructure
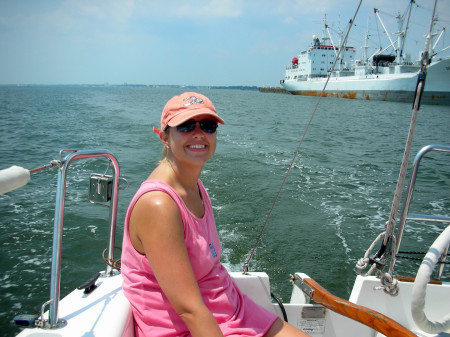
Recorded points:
(317,60)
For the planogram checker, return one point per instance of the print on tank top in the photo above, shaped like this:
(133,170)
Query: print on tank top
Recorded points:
(213,251)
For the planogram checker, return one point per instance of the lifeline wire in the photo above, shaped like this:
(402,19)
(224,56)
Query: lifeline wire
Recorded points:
(246,265)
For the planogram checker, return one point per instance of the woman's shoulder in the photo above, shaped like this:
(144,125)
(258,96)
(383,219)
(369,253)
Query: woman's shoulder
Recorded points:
(156,194)
(154,207)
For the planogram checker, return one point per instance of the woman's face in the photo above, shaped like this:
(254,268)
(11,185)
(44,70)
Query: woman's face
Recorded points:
(196,146)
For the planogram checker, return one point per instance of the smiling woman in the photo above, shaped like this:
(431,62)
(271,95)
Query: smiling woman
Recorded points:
(185,112)
(170,241)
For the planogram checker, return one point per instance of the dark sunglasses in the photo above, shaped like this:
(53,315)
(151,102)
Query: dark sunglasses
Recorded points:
(206,125)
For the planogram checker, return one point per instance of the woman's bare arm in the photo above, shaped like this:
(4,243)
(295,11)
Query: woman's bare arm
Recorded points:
(156,230)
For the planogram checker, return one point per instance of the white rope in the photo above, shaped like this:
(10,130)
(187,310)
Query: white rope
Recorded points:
(362,264)
(403,168)
(401,178)
(388,282)
(387,279)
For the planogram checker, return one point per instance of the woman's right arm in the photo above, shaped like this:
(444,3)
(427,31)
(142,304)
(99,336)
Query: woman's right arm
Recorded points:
(156,230)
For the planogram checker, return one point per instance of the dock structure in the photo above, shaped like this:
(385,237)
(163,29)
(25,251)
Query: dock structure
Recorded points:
(276,90)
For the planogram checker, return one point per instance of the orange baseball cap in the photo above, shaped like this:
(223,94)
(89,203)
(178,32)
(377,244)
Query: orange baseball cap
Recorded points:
(183,107)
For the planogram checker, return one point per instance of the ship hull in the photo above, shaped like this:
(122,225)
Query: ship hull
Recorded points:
(383,87)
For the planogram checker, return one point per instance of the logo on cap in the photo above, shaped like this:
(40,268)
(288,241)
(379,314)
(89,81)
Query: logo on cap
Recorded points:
(192,100)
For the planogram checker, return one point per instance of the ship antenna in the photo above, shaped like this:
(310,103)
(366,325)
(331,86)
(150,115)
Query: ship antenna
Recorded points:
(246,265)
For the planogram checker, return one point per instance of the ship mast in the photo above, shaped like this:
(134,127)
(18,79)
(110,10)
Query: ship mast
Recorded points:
(366,43)
(402,33)
(325,37)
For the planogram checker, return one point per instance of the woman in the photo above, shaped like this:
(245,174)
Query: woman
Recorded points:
(171,252)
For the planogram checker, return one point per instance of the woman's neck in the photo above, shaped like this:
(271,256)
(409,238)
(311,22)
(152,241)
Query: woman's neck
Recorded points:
(180,177)
(184,182)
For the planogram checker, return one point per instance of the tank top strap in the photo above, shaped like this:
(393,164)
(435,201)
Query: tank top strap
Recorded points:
(205,198)
(156,185)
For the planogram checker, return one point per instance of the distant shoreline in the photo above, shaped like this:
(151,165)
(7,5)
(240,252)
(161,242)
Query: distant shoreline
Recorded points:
(171,86)
(262,89)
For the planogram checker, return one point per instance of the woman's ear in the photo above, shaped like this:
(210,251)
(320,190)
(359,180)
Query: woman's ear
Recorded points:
(164,137)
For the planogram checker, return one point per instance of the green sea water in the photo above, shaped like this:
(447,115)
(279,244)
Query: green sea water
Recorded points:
(334,203)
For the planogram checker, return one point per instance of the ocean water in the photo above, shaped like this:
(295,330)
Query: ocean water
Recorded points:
(333,205)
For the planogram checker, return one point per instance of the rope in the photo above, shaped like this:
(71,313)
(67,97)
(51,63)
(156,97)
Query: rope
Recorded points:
(362,263)
(416,106)
(246,265)
(115,264)
(389,284)
(387,280)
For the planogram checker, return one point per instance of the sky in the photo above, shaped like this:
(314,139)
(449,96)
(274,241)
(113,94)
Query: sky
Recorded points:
(175,42)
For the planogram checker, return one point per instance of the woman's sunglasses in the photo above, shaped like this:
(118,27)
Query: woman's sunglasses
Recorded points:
(206,125)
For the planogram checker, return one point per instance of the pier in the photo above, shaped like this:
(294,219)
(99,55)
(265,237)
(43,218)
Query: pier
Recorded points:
(276,90)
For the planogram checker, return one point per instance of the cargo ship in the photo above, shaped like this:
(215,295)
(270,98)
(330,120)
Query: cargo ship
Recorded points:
(387,76)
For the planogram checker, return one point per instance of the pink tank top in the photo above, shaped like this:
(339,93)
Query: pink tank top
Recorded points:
(154,316)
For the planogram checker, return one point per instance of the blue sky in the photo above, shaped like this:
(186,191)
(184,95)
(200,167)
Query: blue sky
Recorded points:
(213,42)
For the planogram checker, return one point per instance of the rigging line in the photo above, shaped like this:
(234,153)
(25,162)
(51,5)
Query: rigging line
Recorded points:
(246,265)
(402,175)
(401,179)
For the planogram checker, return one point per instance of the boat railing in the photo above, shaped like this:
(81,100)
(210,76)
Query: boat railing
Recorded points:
(63,166)
(422,217)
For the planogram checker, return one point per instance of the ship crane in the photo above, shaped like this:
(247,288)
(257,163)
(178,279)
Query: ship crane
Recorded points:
(401,33)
